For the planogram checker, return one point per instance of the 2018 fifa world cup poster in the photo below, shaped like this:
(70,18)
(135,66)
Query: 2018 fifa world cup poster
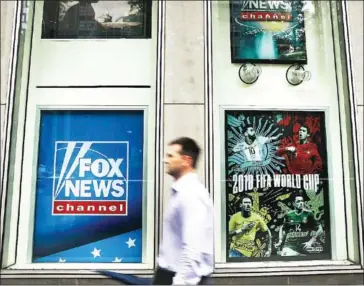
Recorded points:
(267,31)
(89,192)
(276,185)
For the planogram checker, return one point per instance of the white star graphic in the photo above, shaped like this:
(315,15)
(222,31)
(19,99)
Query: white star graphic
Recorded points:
(96,252)
(61,260)
(130,242)
(117,259)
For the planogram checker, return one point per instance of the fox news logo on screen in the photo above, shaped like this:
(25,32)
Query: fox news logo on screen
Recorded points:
(90,178)
(262,10)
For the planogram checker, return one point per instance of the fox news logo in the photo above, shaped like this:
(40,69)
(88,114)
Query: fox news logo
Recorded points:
(261,10)
(90,178)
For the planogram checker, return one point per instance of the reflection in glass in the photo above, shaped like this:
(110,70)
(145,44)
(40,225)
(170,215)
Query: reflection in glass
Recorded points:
(96,19)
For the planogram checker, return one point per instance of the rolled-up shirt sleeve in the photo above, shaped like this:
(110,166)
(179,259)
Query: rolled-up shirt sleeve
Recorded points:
(192,216)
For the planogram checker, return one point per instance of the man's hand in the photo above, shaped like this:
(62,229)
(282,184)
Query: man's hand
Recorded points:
(248,226)
(291,149)
(237,147)
(278,244)
(309,243)
(245,228)
(268,253)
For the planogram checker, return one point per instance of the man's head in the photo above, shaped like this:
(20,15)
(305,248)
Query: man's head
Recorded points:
(299,203)
(303,133)
(181,156)
(249,131)
(246,204)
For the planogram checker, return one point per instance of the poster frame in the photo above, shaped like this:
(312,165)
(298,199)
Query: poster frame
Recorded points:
(148,201)
(239,60)
(224,226)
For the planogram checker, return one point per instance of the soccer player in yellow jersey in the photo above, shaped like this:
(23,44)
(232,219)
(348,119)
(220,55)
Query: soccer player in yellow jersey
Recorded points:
(243,227)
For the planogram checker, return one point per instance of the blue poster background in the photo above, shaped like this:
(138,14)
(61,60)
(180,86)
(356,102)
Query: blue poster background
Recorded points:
(74,238)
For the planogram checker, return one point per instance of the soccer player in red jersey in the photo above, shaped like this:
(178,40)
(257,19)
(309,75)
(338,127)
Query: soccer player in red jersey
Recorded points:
(302,157)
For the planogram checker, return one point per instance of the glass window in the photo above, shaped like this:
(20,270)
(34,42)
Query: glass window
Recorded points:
(281,161)
(96,19)
(81,187)
(276,186)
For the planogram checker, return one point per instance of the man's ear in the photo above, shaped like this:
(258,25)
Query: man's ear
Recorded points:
(188,159)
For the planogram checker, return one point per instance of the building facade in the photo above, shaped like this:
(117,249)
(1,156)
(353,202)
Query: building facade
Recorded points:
(93,91)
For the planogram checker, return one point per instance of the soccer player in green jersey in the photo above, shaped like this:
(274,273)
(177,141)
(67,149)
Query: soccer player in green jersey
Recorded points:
(299,231)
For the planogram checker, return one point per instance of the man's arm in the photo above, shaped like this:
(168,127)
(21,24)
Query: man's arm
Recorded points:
(264,227)
(269,249)
(238,147)
(285,150)
(319,229)
(192,216)
(313,238)
(274,138)
(232,230)
(317,234)
(281,235)
(271,139)
(317,161)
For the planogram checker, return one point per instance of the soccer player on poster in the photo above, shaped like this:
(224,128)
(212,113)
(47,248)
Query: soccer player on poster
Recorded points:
(243,227)
(252,146)
(302,157)
(297,235)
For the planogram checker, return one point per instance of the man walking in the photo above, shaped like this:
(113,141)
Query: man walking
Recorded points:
(186,250)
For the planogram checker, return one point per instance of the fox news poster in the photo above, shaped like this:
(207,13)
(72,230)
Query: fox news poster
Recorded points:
(89,191)
(267,31)
(276,185)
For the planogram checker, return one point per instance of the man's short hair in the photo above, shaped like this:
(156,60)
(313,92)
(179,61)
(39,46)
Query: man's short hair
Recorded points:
(294,198)
(245,128)
(189,147)
(298,196)
(246,197)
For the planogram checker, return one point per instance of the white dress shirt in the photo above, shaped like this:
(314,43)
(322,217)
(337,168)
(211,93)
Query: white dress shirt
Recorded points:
(187,241)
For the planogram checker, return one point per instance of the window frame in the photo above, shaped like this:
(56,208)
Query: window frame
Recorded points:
(343,260)
(16,224)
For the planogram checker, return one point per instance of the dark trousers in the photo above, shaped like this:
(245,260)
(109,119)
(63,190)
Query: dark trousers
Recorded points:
(165,277)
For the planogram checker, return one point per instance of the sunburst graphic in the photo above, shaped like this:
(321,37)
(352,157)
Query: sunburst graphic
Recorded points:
(267,138)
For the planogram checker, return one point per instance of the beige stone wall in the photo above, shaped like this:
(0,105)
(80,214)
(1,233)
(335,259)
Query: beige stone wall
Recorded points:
(184,76)
(7,12)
